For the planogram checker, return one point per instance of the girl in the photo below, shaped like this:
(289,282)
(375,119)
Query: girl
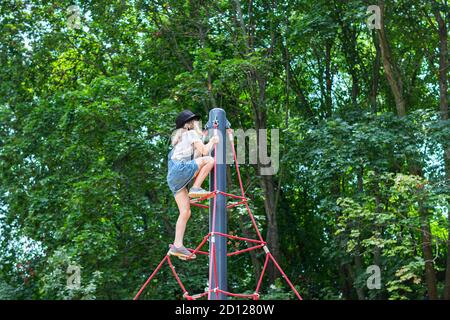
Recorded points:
(183,167)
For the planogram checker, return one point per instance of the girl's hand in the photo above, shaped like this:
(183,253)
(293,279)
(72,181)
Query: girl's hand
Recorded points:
(214,139)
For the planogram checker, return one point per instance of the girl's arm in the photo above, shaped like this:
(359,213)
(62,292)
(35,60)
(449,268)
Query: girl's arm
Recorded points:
(204,149)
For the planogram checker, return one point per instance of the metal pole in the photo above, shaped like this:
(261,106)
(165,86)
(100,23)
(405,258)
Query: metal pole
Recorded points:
(218,116)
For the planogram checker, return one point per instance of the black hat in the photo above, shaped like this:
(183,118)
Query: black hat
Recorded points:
(184,117)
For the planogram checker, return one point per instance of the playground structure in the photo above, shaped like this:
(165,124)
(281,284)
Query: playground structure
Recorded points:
(217,236)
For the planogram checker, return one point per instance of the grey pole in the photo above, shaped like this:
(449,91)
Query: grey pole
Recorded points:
(218,116)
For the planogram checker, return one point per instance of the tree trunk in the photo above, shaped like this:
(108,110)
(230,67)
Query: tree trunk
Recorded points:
(267,185)
(390,67)
(295,84)
(257,88)
(358,261)
(328,80)
(430,275)
(378,230)
(253,256)
(350,50)
(358,269)
(345,287)
(375,76)
(352,279)
(443,93)
(266,181)
(395,82)
(443,61)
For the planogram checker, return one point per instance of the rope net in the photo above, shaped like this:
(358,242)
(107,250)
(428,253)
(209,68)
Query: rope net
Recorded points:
(258,243)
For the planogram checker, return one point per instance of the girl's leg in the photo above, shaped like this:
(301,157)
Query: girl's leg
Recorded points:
(205,165)
(184,206)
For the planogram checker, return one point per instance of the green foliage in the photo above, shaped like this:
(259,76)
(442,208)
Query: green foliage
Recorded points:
(86,115)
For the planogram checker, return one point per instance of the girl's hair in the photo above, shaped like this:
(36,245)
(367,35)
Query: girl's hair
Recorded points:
(190,125)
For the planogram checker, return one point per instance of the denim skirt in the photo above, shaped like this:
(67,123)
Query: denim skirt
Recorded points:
(180,173)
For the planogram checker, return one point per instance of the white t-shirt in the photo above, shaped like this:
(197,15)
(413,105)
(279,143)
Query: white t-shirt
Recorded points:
(185,148)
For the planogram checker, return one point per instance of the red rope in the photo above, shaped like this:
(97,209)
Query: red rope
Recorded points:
(245,250)
(209,195)
(200,205)
(196,251)
(215,270)
(238,238)
(284,276)
(231,195)
(176,276)
(150,278)
(239,295)
(262,273)
(205,238)
(201,295)
(212,258)
(232,205)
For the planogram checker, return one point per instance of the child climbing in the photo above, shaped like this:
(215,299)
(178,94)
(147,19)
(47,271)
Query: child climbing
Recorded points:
(187,160)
